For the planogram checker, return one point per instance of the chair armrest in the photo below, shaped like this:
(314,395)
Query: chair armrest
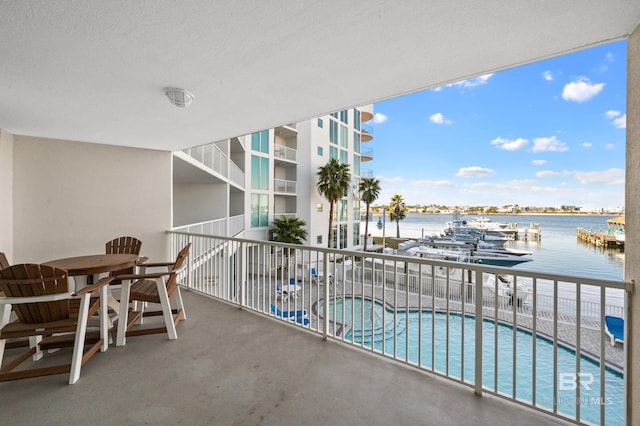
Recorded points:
(157,264)
(143,276)
(142,260)
(93,287)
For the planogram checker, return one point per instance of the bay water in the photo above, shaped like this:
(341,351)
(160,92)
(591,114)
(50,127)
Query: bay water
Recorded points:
(557,252)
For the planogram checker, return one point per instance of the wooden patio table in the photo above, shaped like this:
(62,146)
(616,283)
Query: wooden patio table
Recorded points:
(94,265)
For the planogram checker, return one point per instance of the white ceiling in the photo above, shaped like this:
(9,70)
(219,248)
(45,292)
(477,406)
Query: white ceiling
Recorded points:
(95,70)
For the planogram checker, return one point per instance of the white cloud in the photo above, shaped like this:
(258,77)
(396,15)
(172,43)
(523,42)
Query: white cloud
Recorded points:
(432,183)
(586,144)
(609,177)
(547,75)
(379,118)
(551,173)
(609,146)
(468,83)
(475,171)
(581,90)
(549,144)
(510,145)
(612,113)
(621,122)
(438,118)
(390,179)
(609,56)
(539,162)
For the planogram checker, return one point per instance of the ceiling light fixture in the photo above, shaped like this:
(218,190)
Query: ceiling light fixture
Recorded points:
(179,97)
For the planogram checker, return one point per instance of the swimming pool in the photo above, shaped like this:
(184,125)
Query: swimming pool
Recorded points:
(409,344)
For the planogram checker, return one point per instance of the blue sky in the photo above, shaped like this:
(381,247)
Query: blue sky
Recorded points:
(545,134)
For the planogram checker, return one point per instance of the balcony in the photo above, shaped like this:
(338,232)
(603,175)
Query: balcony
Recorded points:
(366,154)
(366,173)
(230,366)
(284,186)
(247,365)
(366,133)
(281,152)
(412,286)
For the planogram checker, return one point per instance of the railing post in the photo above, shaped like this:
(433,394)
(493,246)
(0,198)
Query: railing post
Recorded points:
(191,268)
(240,275)
(325,307)
(478,339)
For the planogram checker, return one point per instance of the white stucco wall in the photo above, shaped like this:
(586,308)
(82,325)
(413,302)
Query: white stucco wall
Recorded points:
(6,194)
(632,222)
(72,197)
(194,203)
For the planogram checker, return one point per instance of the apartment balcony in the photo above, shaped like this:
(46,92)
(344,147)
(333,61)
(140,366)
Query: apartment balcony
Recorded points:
(366,133)
(281,215)
(284,153)
(236,361)
(366,154)
(366,173)
(284,186)
(366,113)
(230,366)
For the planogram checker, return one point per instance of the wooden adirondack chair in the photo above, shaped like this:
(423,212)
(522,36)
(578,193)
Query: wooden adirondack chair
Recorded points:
(41,299)
(157,287)
(4,263)
(124,245)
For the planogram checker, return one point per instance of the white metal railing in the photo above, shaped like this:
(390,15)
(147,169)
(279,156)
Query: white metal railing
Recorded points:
(548,354)
(236,175)
(284,186)
(229,227)
(236,224)
(284,152)
(211,156)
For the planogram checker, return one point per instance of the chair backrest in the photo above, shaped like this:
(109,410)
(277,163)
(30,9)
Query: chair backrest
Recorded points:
(4,263)
(180,259)
(26,280)
(123,245)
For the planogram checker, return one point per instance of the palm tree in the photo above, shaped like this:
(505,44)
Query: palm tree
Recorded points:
(288,230)
(397,210)
(334,181)
(369,190)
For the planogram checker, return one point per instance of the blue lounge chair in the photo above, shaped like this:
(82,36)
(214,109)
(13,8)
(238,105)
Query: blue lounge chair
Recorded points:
(615,329)
(299,316)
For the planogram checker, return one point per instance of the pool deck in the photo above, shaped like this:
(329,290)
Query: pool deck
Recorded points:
(234,367)
(590,337)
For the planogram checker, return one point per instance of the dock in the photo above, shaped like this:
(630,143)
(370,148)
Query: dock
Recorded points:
(599,238)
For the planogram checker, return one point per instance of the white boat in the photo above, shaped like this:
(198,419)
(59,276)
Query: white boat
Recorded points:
(468,255)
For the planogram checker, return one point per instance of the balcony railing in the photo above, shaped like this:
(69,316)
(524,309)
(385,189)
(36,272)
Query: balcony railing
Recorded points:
(532,348)
(284,153)
(236,175)
(215,227)
(284,186)
(366,133)
(366,173)
(211,156)
(281,215)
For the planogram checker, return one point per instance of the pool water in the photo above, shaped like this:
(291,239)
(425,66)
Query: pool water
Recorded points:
(408,340)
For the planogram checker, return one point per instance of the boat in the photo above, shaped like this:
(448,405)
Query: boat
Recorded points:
(480,227)
(469,255)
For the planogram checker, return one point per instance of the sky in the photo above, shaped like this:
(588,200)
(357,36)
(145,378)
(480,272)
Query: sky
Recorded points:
(550,133)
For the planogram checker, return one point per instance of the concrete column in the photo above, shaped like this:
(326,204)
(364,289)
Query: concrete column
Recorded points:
(632,226)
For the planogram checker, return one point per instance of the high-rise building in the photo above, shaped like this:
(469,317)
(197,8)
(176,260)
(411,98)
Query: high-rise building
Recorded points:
(236,187)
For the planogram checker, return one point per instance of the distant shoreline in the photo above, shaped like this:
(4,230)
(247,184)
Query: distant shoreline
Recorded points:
(515,214)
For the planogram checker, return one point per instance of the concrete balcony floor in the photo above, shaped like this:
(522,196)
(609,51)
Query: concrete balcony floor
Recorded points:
(232,367)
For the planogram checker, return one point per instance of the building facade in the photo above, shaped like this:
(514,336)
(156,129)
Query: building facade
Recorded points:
(238,186)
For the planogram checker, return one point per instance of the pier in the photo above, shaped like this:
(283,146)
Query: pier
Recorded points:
(599,238)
